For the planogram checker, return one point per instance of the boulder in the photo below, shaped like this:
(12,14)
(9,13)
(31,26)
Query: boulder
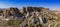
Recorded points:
(6,13)
(15,12)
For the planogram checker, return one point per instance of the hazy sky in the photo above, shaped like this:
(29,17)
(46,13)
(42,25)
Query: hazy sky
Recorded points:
(52,4)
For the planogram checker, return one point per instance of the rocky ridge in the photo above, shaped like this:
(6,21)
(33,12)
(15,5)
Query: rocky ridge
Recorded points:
(31,16)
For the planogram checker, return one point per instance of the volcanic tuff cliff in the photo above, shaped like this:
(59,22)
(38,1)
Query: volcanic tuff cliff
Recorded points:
(32,15)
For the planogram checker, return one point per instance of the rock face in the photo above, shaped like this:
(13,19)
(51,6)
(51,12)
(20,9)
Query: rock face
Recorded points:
(31,9)
(1,11)
(15,12)
(6,13)
(12,12)
(35,16)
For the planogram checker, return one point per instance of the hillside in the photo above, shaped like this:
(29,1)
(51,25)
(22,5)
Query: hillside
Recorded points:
(29,17)
(44,17)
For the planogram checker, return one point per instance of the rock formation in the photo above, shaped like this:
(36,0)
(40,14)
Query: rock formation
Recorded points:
(35,16)
(12,12)
(6,13)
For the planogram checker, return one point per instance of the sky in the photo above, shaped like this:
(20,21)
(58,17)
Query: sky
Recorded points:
(51,4)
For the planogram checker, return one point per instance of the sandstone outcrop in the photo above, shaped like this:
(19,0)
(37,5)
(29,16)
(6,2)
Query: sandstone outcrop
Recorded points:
(36,16)
(12,12)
